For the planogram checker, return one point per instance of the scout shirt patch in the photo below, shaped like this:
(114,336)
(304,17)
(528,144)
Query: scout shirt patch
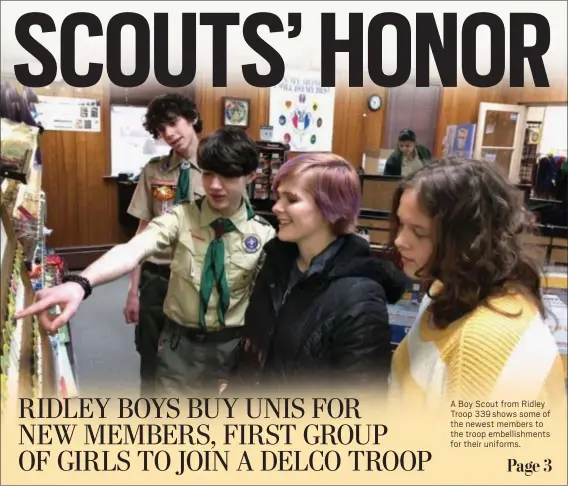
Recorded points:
(251,243)
(165,192)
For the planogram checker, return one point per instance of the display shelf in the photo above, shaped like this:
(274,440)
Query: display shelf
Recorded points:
(20,374)
(33,362)
(9,194)
(50,274)
(9,251)
(29,364)
(271,157)
(3,240)
(19,144)
(16,342)
(48,271)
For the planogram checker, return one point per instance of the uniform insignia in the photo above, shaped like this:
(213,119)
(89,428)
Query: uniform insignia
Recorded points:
(251,243)
(185,165)
(164,193)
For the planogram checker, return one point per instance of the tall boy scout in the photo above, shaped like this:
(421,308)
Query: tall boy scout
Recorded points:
(163,182)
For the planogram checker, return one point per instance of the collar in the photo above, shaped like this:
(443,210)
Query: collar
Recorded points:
(287,253)
(319,263)
(239,219)
(176,160)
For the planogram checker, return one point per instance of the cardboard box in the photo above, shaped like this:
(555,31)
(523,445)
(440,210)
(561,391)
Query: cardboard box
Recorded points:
(374,161)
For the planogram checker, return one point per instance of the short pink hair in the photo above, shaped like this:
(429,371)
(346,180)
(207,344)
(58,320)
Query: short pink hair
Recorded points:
(332,182)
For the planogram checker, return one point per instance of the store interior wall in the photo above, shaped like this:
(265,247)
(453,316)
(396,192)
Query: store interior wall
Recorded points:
(554,135)
(83,200)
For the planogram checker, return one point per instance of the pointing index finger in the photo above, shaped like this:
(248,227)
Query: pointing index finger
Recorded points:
(35,308)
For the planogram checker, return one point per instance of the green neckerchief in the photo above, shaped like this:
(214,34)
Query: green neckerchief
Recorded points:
(214,268)
(183,183)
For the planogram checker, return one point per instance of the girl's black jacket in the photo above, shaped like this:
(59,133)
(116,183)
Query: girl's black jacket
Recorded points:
(329,328)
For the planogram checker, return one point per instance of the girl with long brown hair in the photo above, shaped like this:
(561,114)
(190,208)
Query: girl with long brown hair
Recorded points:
(480,331)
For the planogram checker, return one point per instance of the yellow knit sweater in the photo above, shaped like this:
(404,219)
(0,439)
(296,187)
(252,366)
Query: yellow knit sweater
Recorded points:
(482,355)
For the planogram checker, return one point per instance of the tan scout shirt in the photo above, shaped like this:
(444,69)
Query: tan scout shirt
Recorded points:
(186,229)
(156,190)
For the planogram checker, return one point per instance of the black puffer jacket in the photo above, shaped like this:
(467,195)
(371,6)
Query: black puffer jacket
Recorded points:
(331,326)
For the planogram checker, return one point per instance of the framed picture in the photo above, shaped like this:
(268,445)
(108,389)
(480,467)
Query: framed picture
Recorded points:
(236,112)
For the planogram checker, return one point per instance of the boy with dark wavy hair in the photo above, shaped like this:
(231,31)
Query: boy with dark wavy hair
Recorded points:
(164,180)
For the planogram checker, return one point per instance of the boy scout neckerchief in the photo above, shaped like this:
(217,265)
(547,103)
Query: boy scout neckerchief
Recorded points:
(182,189)
(214,268)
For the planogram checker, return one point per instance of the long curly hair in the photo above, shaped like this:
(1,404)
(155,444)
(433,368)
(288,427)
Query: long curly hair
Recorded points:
(480,227)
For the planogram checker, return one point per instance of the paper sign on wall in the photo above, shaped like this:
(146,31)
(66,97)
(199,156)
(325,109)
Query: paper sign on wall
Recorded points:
(301,112)
(69,114)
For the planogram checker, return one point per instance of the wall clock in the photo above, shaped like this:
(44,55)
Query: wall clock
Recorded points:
(374,102)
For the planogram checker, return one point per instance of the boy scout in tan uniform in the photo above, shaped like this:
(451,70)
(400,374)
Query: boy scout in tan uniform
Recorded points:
(157,186)
(213,267)
(214,263)
(157,191)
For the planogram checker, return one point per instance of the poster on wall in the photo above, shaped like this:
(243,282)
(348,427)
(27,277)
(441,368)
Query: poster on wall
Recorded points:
(301,112)
(460,141)
(69,114)
(131,145)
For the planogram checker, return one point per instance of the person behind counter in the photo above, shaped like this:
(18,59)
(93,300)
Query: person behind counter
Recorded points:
(318,312)
(164,181)
(216,244)
(480,331)
(408,156)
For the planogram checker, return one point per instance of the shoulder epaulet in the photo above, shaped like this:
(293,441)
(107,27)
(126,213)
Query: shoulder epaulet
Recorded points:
(261,220)
(153,160)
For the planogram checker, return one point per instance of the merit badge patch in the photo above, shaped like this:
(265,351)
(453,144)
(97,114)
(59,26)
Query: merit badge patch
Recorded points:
(164,192)
(251,243)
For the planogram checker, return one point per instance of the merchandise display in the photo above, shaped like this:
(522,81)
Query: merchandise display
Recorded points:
(26,358)
(33,362)
(271,157)
(19,144)
(12,329)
